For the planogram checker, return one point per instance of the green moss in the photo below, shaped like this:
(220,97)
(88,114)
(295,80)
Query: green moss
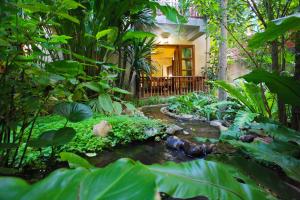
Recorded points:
(125,130)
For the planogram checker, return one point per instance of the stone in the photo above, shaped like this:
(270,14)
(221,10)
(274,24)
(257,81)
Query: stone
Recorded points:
(102,129)
(266,140)
(127,111)
(223,128)
(187,116)
(186,133)
(210,148)
(192,149)
(90,154)
(248,138)
(150,132)
(216,123)
(174,129)
(174,142)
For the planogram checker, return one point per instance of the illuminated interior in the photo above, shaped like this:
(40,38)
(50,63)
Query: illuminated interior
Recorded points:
(168,62)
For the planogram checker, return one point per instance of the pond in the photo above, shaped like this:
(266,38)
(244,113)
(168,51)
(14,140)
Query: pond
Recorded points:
(151,152)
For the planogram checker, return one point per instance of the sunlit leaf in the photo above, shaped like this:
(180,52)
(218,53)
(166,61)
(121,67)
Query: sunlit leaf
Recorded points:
(75,160)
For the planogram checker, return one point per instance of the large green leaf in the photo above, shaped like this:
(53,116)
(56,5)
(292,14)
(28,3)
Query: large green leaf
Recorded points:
(111,34)
(65,68)
(277,153)
(236,93)
(205,178)
(124,179)
(74,112)
(130,35)
(244,118)
(170,12)
(197,178)
(117,107)
(274,30)
(119,90)
(106,103)
(75,161)
(278,132)
(54,137)
(96,87)
(287,88)
(12,188)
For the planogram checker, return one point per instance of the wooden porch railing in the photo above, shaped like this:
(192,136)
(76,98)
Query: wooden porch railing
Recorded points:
(168,86)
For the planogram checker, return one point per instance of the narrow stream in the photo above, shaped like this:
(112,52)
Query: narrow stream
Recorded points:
(151,152)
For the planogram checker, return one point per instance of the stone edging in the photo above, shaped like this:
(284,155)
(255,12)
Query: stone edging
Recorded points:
(165,111)
(214,123)
(151,106)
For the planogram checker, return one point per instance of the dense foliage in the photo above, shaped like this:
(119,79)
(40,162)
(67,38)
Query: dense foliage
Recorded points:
(66,65)
(205,106)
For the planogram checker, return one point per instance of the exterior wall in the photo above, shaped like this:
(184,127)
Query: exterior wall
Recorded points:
(201,48)
(235,70)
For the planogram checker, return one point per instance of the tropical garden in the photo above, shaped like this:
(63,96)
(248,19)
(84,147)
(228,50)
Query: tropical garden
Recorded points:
(71,127)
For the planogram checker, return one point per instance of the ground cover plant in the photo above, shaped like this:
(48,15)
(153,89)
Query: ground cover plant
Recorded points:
(205,106)
(125,129)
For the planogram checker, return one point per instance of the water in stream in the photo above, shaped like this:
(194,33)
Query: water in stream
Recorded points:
(151,152)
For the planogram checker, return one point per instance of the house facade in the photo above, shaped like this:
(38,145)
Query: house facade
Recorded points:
(180,56)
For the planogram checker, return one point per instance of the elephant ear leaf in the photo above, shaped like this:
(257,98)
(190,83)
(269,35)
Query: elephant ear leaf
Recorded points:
(275,29)
(74,112)
(186,180)
(75,160)
(54,137)
(287,88)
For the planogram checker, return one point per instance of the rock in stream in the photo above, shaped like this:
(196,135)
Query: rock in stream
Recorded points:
(189,148)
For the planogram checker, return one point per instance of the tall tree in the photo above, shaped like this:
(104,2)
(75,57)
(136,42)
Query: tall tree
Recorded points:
(295,109)
(223,47)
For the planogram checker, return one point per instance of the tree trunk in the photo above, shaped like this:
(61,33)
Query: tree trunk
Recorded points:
(275,68)
(223,49)
(296,109)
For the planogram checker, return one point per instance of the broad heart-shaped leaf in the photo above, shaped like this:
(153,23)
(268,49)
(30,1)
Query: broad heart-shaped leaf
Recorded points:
(205,178)
(74,112)
(287,88)
(105,102)
(54,137)
(123,179)
(129,180)
(117,107)
(276,29)
(96,87)
(12,188)
(62,184)
(67,68)
(278,153)
(75,161)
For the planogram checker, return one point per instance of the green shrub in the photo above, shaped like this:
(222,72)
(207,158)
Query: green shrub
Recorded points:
(204,105)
